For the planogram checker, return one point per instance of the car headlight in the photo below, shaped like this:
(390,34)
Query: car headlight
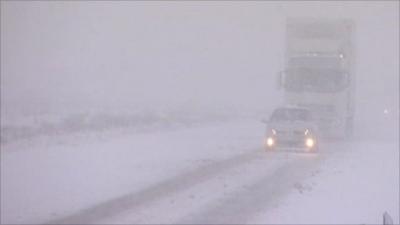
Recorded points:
(270,142)
(310,142)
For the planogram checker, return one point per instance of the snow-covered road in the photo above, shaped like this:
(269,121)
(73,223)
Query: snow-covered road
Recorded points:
(213,174)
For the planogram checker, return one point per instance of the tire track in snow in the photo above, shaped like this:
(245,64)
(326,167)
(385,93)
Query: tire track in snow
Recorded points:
(241,206)
(155,192)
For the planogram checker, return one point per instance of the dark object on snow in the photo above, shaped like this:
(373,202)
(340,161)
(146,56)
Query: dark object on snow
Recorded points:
(387,219)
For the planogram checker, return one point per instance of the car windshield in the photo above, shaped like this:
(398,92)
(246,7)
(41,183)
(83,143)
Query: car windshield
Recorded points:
(284,114)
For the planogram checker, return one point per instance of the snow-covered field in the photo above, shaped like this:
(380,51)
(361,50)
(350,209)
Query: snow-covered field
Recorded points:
(215,173)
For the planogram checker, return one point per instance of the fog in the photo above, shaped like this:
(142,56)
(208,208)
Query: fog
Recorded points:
(62,56)
(187,84)
(138,112)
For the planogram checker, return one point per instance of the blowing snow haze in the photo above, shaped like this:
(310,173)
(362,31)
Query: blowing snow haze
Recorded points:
(134,112)
(134,54)
(58,56)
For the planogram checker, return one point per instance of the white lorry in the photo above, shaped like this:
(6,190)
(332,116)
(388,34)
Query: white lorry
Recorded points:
(319,73)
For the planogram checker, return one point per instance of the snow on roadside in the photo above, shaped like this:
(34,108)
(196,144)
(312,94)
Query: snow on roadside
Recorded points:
(47,181)
(18,127)
(357,183)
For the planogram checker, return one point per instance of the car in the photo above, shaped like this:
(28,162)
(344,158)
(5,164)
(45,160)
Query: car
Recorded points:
(291,127)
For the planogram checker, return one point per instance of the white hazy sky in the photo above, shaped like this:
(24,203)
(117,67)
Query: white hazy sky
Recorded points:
(58,56)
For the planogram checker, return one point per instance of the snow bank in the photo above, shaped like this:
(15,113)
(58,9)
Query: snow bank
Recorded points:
(356,184)
(31,126)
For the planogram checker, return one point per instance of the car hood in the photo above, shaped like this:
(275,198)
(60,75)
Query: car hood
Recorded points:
(291,126)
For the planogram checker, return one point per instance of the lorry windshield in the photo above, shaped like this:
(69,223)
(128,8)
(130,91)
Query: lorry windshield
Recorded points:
(315,80)
(288,114)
